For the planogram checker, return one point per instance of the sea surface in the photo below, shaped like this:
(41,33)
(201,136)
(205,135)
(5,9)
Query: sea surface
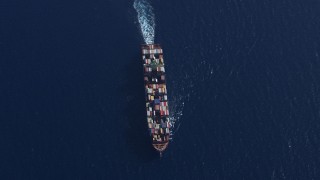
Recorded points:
(243,82)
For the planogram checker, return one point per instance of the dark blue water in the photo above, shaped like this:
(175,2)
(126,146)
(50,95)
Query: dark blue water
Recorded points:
(72,97)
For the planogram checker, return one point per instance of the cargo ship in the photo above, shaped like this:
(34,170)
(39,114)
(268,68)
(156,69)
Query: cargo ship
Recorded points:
(156,96)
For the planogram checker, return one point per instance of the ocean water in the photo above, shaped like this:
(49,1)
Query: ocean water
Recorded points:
(243,81)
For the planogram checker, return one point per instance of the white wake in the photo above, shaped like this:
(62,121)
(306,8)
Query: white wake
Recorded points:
(146,19)
(176,112)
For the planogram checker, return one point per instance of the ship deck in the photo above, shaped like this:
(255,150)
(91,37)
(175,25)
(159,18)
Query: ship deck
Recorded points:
(156,96)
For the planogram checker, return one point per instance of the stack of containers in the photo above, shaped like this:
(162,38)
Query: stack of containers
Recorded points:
(157,106)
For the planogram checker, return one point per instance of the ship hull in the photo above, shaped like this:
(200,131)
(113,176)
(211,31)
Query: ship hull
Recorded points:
(157,106)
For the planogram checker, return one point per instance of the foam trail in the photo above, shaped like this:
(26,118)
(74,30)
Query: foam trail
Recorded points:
(176,112)
(146,19)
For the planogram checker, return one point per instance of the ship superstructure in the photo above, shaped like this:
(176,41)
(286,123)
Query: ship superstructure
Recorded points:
(156,96)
